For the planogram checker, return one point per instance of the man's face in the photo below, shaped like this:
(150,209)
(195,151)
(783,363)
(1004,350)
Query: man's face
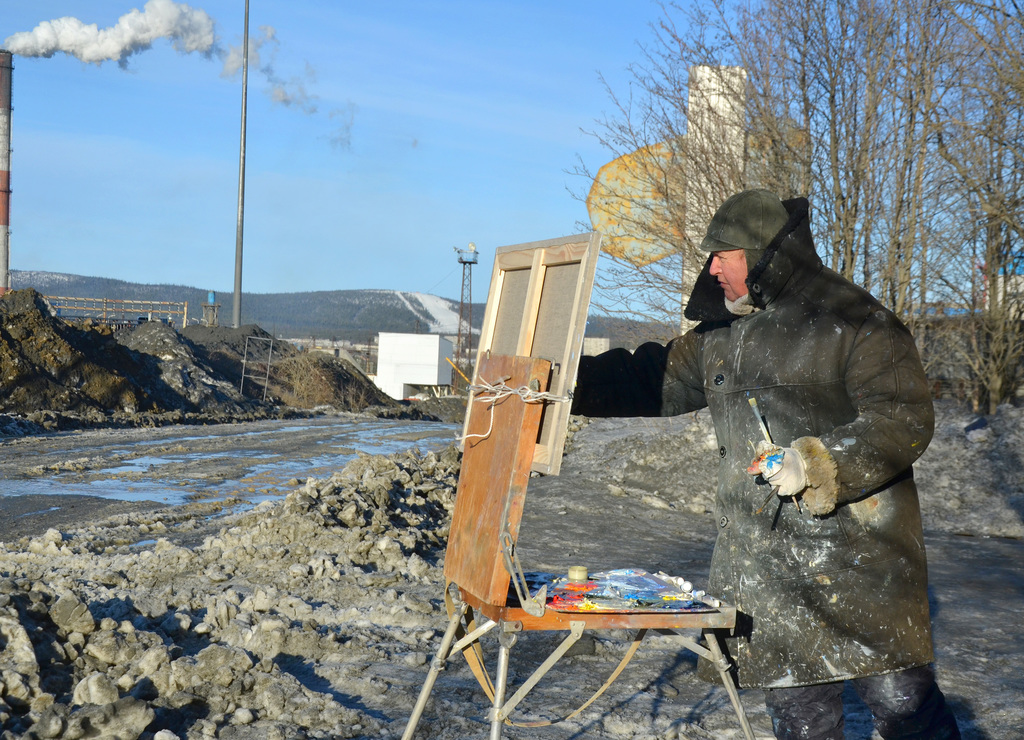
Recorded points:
(730,267)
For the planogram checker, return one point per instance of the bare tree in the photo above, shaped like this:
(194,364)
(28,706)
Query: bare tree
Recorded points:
(980,135)
(901,122)
(648,132)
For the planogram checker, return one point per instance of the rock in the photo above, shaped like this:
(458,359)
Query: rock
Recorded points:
(125,719)
(51,723)
(415,659)
(96,688)
(109,647)
(243,716)
(19,669)
(152,660)
(71,615)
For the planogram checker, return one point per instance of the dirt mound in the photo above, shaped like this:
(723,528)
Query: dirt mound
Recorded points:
(450,409)
(314,379)
(60,375)
(301,379)
(195,384)
(228,351)
(46,363)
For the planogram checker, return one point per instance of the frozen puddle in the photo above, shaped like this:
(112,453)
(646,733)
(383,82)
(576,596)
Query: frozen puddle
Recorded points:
(253,462)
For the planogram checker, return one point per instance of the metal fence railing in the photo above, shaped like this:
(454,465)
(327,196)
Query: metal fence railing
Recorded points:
(113,310)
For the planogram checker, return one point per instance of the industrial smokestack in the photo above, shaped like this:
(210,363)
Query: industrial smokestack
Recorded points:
(6,68)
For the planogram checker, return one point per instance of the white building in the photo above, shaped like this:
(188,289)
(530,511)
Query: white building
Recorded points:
(408,364)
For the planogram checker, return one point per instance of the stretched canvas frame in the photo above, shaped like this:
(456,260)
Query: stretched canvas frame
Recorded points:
(537,307)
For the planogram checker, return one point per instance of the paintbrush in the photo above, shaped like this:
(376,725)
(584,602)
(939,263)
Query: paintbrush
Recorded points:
(767,438)
(760,421)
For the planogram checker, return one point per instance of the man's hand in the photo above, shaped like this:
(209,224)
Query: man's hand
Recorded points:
(782,467)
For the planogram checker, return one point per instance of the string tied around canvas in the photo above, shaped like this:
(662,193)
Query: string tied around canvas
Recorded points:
(494,392)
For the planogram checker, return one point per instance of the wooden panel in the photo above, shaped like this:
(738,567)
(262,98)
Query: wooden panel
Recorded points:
(537,307)
(495,472)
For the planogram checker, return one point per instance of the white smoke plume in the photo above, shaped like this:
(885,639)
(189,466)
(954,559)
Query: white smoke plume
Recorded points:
(233,56)
(290,93)
(188,29)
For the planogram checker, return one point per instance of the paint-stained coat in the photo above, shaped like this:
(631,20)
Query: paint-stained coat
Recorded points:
(821,598)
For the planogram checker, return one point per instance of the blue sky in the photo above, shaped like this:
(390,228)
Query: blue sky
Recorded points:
(380,136)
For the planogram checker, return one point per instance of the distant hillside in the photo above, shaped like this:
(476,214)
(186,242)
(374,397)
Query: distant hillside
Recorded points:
(628,333)
(341,314)
(354,315)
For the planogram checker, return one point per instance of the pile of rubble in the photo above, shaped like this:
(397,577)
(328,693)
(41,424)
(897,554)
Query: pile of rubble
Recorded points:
(46,363)
(56,375)
(103,637)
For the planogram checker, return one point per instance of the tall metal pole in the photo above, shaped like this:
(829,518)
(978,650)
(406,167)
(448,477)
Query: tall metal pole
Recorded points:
(236,314)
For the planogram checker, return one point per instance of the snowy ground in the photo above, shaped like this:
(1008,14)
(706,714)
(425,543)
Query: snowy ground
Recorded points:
(622,487)
(316,616)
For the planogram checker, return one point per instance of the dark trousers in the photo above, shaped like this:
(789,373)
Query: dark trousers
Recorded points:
(906,705)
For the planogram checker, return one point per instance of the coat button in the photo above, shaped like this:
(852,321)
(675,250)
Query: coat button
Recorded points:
(719,379)
(721,451)
(723,522)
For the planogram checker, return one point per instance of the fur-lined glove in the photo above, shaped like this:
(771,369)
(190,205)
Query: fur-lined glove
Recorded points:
(822,493)
(807,468)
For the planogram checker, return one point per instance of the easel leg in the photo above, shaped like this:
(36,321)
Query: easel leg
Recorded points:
(505,642)
(723,671)
(436,666)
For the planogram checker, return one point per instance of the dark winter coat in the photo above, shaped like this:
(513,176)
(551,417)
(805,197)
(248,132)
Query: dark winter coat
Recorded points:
(837,590)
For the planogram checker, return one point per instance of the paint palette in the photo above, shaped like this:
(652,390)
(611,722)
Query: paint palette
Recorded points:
(624,590)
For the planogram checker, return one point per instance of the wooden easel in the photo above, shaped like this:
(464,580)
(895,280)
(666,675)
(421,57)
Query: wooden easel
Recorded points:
(481,563)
